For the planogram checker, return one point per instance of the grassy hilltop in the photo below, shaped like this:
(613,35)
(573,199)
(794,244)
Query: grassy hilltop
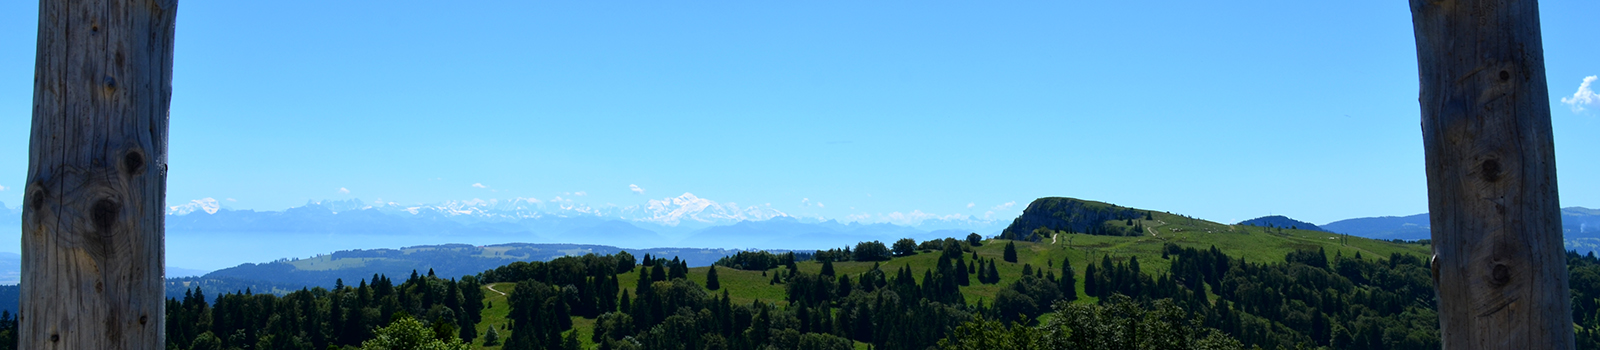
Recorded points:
(1146,235)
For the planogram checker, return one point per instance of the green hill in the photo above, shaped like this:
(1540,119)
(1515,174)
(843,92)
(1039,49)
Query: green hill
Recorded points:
(1268,287)
(1254,244)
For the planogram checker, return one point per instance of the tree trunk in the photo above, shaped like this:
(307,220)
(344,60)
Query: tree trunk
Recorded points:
(92,242)
(1499,264)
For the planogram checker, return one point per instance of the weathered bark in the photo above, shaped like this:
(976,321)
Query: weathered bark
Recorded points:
(1499,264)
(92,242)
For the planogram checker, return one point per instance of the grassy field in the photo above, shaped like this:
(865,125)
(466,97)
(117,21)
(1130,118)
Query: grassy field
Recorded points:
(1254,244)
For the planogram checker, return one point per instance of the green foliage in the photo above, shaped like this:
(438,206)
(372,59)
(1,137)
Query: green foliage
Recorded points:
(409,334)
(492,337)
(974,239)
(711,279)
(903,247)
(871,251)
(757,260)
(1120,323)
(537,315)
(1011,252)
(1068,284)
(1026,299)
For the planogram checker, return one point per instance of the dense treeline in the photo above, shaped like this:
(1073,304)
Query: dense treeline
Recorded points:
(1306,300)
(664,310)
(320,318)
(1206,300)
(757,260)
(1115,324)
(1585,281)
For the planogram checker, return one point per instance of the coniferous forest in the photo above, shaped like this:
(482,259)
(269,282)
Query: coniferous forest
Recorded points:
(1206,300)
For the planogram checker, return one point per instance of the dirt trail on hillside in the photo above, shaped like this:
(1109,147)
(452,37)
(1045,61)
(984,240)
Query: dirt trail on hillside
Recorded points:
(491,289)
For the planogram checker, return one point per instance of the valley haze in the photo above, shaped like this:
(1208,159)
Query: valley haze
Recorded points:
(204,235)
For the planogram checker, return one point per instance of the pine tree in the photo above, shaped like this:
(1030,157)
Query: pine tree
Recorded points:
(1091,285)
(1011,252)
(626,303)
(827,268)
(711,279)
(658,273)
(570,341)
(678,269)
(491,338)
(1068,282)
(962,277)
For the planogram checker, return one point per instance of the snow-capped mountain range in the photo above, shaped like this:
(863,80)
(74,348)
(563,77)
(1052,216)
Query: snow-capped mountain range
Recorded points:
(684,210)
(206,233)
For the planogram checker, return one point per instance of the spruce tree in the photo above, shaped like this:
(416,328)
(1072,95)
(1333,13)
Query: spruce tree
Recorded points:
(1011,252)
(827,268)
(983,272)
(677,269)
(962,277)
(657,273)
(711,279)
(491,338)
(1091,285)
(1068,282)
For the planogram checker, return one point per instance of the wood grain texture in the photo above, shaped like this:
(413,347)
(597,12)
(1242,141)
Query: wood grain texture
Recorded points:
(92,242)
(1499,264)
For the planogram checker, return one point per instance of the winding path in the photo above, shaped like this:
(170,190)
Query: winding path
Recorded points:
(491,289)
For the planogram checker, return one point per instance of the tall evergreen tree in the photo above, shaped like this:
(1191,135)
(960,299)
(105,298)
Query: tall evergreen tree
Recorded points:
(711,279)
(1091,284)
(1011,252)
(657,273)
(680,269)
(827,268)
(961,274)
(1069,281)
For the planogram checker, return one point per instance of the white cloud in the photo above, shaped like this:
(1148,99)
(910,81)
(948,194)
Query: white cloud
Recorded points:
(344,190)
(580,193)
(479,185)
(635,188)
(1584,97)
(232,200)
(970,205)
(3,188)
(819,204)
(1004,206)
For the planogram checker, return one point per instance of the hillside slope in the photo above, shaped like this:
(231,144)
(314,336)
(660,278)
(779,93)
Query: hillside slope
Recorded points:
(1069,215)
(1281,221)
(451,260)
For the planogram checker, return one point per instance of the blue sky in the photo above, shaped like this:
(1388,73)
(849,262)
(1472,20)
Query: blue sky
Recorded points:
(1224,111)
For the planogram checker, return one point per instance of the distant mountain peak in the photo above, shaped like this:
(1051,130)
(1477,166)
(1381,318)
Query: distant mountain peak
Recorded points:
(688,207)
(1282,222)
(208,205)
